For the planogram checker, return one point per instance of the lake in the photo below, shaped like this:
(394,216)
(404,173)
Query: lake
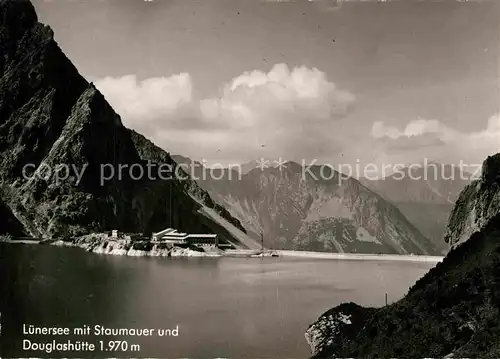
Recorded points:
(223,307)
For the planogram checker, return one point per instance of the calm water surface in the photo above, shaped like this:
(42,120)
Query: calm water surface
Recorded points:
(224,307)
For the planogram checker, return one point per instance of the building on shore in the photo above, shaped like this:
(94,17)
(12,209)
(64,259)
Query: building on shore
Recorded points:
(171,236)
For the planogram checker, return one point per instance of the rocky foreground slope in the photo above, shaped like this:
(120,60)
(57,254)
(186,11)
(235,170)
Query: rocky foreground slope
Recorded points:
(52,119)
(311,208)
(452,311)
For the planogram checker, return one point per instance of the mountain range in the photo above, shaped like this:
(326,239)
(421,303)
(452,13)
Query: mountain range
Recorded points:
(424,193)
(310,208)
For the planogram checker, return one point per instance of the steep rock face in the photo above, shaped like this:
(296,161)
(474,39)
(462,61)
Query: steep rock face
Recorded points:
(425,194)
(51,118)
(476,205)
(313,209)
(452,310)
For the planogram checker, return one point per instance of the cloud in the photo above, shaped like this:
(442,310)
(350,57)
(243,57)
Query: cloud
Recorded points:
(414,128)
(412,143)
(281,96)
(284,112)
(148,99)
(433,139)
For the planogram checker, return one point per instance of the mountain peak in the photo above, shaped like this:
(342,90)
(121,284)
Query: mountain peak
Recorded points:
(17,16)
(16,19)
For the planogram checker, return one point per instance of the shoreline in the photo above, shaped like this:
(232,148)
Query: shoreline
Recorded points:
(184,252)
(112,247)
(21,241)
(358,256)
(96,244)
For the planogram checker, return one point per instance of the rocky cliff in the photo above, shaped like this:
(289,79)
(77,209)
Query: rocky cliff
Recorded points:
(452,311)
(68,166)
(311,208)
(476,205)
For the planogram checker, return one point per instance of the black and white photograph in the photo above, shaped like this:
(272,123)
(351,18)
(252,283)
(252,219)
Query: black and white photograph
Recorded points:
(249,179)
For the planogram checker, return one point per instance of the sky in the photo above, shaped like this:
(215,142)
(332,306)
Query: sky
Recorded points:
(229,81)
